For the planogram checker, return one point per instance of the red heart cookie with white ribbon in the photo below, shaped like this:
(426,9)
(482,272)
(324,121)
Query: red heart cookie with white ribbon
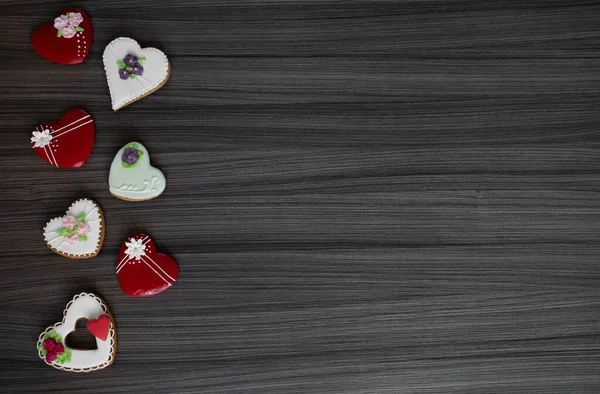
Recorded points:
(66,143)
(65,41)
(141,270)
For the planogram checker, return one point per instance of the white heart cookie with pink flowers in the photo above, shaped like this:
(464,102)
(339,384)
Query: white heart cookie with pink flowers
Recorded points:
(133,72)
(79,233)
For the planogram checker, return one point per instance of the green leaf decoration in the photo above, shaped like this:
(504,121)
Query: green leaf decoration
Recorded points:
(142,60)
(40,346)
(83,238)
(72,231)
(78,28)
(128,68)
(121,64)
(133,76)
(52,334)
(62,232)
(67,355)
(133,146)
(44,352)
(59,34)
(68,13)
(140,153)
(125,165)
(58,339)
(81,218)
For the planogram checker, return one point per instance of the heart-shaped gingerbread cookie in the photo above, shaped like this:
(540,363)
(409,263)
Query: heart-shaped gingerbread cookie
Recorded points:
(67,40)
(133,72)
(66,143)
(142,271)
(79,233)
(52,346)
(132,178)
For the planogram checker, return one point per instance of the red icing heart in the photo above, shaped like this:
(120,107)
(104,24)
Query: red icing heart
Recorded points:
(63,50)
(149,275)
(99,327)
(72,140)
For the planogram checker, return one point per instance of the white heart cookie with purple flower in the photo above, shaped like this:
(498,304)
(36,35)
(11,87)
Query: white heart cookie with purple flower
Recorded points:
(132,177)
(133,72)
(78,234)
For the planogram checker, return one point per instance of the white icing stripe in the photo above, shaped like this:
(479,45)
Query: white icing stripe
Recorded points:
(49,158)
(80,119)
(76,127)
(52,153)
(122,263)
(122,266)
(158,266)
(149,266)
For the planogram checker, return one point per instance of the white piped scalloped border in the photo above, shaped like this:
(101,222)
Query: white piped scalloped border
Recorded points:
(112,336)
(100,237)
(156,79)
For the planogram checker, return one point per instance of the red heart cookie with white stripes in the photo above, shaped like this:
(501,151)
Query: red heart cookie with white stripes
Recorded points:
(66,143)
(65,41)
(143,272)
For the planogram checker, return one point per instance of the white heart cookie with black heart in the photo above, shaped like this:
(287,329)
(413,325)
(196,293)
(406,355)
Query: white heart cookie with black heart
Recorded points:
(78,234)
(55,351)
(133,72)
(132,178)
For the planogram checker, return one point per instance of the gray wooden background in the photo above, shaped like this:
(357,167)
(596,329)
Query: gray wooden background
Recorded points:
(363,197)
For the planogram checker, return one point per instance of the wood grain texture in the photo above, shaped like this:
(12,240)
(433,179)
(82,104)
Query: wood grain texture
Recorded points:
(363,197)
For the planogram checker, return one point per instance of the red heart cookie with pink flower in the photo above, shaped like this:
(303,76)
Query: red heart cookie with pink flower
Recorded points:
(66,143)
(65,41)
(142,271)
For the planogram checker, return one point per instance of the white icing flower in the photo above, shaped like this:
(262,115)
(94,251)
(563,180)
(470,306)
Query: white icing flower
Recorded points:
(135,249)
(41,138)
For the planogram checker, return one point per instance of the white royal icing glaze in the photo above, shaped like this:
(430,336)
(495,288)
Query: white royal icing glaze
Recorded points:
(83,306)
(94,221)
(141,182)
(156,71)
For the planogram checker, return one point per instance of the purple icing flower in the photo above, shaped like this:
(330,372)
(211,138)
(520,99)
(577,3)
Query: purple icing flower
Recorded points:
(130,60)
(130,156)
(124,73)
(137,69)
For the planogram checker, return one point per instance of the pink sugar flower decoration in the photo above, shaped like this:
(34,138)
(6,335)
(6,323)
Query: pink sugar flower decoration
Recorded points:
(49,344)
(59,348)
(51,356)
(73,238)
(82,228)
(68,32)
(75,19)
(61,22)
(69,222)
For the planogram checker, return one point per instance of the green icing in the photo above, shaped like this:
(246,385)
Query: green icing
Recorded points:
(83,238)
(121,64)
(133,76)
(64,232)
(81,218)
(142,60)
(62,358)
(59,34)
(128,68)
(78,28)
